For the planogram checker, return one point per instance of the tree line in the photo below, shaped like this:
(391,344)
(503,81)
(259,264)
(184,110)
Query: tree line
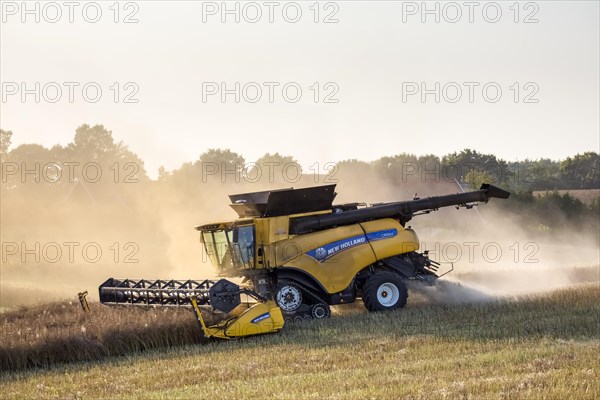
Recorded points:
(97,145)
(94,156)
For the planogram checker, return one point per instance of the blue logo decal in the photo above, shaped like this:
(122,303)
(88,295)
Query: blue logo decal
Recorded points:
(329,250)
(261,317)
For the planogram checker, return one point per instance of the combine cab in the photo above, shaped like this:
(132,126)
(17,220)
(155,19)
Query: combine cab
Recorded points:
(297,254)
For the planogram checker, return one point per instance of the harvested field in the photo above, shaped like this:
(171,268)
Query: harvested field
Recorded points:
(47,334)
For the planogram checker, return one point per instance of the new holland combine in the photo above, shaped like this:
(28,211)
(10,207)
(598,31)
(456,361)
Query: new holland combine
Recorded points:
(296,254)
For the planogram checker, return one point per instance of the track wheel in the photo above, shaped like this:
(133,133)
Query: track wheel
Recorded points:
(384,291)
(320,311)
(288,297)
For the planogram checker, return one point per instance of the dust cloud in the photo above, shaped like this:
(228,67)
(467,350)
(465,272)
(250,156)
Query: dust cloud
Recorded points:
(146,231)
(492,252)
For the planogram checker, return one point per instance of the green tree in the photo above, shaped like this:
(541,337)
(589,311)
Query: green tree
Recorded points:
(581,171)
(97,145)
(353,166)
(458,165)
(542,174)
(163,174)
(275,168)
(5,141)
(398,168)
(219,164)
(222,156)
(30,167)
(93,142)
(475,178)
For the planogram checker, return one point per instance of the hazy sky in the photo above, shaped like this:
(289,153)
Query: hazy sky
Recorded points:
(377,58)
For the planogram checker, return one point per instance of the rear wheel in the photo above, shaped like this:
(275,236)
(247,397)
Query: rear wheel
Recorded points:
(384,291)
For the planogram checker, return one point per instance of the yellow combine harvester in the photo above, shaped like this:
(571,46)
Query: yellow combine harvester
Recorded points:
(298,254)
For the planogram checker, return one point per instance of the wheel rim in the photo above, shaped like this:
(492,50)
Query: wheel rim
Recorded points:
(289,298)
(388,294)
(319,311)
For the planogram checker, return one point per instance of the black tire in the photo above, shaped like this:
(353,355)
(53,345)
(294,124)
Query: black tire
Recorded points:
(320,311)
(384,291)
